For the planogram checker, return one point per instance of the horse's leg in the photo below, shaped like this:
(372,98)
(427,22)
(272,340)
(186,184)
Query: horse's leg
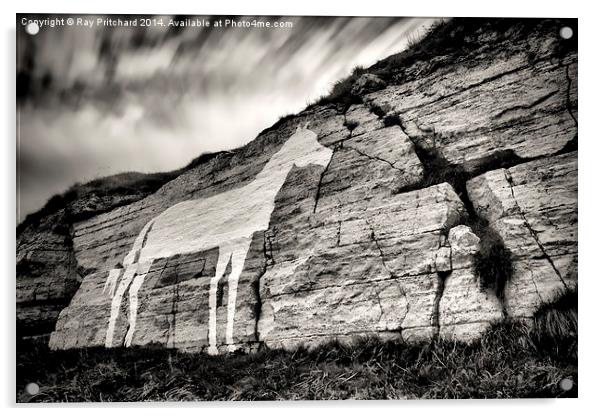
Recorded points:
(128,275)
(129,262)
(111,282)
(143,269)
(239,254)
(220,268)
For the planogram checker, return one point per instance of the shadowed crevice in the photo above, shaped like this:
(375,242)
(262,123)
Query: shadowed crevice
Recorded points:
(441,278)
(319,187)
(569,105)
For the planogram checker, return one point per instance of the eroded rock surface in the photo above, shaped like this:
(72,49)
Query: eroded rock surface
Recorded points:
(521,104)
(47,278)
(533,206)
(465,309)
(362,272)
(380,240)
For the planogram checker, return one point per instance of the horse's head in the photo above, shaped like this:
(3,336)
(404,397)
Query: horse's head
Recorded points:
(307,149)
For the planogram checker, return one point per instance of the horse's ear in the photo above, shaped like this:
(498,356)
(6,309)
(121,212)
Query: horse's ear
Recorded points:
(298,128)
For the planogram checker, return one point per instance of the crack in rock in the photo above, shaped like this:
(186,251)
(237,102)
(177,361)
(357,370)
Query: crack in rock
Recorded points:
(535,286)
(256,286)
(268,247)
(569,106)
(174,306)
(538,101)
(441,277)
(340,221)
(380,251)
(380,306)
(318,191)
(531,230)
(372,157)
(392,275)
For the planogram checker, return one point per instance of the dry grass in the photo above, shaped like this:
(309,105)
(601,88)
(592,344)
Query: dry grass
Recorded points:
(449,42)
(341,91)
(106,193)
(511,360)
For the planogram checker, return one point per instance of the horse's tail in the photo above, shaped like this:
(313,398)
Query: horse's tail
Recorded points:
(131,258)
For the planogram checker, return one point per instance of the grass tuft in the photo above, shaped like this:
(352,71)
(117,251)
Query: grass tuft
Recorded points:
(341,92)
(351,125)
(493,261)
(555,327)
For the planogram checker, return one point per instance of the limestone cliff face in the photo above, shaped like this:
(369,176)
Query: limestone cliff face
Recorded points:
(378,224)
(48,274)
(47,277)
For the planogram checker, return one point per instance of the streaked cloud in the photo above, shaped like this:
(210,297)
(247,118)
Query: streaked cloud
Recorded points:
(94,102)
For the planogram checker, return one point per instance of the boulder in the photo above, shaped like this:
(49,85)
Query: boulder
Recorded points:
(367,83)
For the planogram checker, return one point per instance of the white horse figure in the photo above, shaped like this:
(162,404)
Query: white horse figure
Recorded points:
(226,221)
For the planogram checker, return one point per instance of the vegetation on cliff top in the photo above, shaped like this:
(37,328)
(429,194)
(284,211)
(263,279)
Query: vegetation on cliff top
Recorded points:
(82,201)
(513,359)
(448,42)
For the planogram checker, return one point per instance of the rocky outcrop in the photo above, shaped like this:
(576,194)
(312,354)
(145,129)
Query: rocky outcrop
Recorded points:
(485,108)
(47,277)
(533,207)
(385,237)
(465,308)
(363,271)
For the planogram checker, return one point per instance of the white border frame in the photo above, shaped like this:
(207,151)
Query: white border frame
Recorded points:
(590,153)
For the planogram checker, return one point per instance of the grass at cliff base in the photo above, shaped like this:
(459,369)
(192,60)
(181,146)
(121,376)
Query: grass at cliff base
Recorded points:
(512,360)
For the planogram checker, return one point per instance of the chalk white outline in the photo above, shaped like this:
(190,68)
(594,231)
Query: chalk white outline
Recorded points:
(202,224)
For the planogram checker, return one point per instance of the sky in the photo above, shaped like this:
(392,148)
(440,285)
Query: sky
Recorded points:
(96,101)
